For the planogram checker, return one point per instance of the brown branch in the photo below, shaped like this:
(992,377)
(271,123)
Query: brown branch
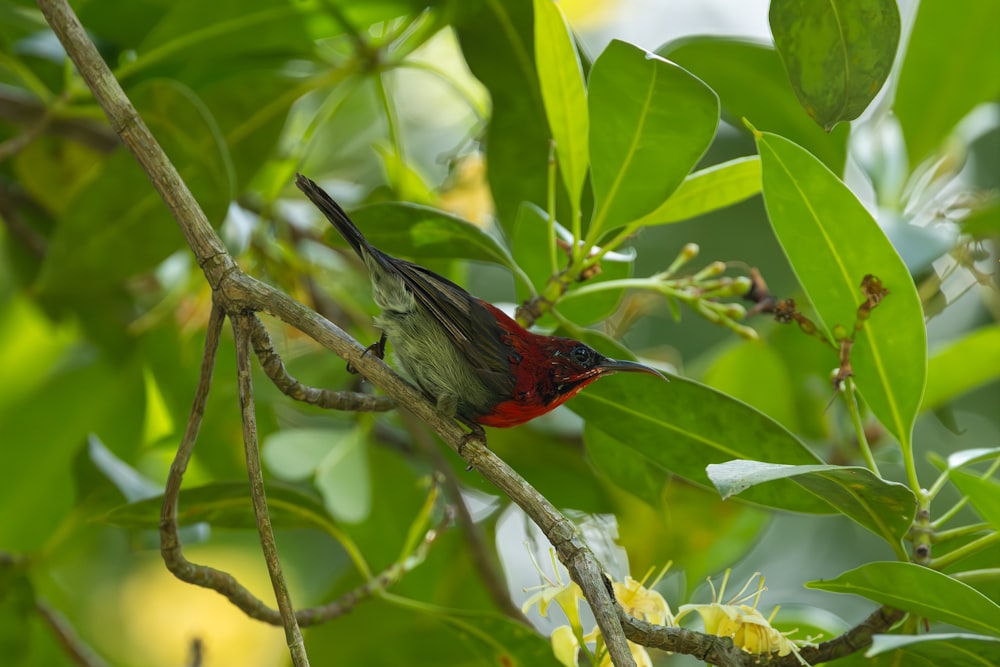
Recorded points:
(293,635)
(323,398)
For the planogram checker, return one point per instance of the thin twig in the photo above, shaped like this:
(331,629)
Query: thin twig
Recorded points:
(75,648)
(323,398)
(293,635)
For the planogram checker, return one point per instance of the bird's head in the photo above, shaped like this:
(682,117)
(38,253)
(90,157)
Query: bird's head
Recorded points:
(572,365)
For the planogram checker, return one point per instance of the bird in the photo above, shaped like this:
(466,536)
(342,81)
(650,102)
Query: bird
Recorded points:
(470,358)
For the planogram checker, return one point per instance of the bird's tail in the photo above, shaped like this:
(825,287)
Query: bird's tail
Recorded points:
(333,213)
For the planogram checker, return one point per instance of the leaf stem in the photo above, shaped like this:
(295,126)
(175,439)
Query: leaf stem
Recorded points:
(851,399)
(965,551)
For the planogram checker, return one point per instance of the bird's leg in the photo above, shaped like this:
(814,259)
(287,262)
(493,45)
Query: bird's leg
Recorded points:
(476,432)
(378,348)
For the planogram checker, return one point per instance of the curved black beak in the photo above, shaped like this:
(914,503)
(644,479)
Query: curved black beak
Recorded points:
(616,366)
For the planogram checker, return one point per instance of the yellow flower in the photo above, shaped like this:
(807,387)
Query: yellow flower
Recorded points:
(746,626)
(642,602)
(565,645)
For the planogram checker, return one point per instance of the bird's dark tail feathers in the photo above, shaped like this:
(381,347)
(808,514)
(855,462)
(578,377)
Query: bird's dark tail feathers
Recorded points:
(336,215)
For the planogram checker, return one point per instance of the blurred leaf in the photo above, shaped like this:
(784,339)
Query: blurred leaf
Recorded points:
(421,232)
(227,505)
(751,82)
(563,94)
(683,426)
(963,365)
(224,30)
(983,222)
(934,93)
(343,478)
(132,484)
(968,456)
(651,122)
(984,494)
(710,189)
(628,470)
(497,39)
(118,226)
(883,507)
(17,606)
(493,639)
(837,53)
(832,243)
(90,395)
(952,649)
(921,591)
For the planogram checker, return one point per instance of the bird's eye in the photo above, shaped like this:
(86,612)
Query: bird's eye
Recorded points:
(582,355)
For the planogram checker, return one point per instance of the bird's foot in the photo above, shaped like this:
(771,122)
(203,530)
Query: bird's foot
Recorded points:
(476,432)
(377,348)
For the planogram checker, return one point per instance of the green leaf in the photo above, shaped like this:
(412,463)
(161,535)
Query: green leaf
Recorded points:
(17,607)
(921,591)
(422,232)
(883,507)
(336,461)
(227,505)
(966,457)
(561,79)
(651,121)
(832,243)
(752,84)
(492,639)
(710,189)
(628,470)
(962,366)
(984,494)
(497,39)
(742,369)
(936,92)
(952,649)
(837,53)
(683,426)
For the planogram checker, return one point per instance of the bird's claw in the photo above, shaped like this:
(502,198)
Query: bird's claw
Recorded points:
(378,348)
(476,432)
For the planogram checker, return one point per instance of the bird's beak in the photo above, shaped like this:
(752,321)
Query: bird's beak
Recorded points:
(615,366)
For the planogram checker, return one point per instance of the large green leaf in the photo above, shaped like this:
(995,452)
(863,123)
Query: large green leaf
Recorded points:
(838,53)
(563,93)
(710,189)
(422,232)
(883,507)
(227,505)
(936,92)
(983,493)
(952,649)
(650,122)
(497,39)
(921,591)
(832,243)
(963,365)
(683,426)
(752,84)
(628,470)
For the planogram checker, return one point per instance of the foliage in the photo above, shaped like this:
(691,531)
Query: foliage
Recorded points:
(480,139)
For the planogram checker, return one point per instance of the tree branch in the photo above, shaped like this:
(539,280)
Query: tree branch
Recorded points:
(293,635)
